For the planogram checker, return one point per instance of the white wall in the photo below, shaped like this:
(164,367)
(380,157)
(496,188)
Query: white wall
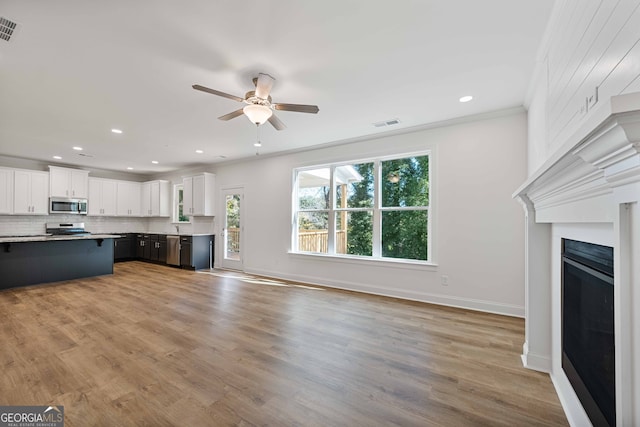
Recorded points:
(589,44)
(477,226)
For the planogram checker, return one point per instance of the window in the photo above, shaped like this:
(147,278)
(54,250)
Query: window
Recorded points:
(178,212)
(375,208)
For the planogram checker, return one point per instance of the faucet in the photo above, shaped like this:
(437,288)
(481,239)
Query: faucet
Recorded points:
(177,229)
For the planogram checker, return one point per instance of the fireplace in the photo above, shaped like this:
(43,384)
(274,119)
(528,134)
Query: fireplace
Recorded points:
(588,343)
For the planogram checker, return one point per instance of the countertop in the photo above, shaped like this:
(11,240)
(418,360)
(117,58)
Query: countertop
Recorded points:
(166,234)
(49,238)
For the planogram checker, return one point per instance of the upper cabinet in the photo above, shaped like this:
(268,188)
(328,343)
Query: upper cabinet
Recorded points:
(128,198)
(66,182)
(31,192)
(6,191)
(156,198)
(102,197)
(198,193)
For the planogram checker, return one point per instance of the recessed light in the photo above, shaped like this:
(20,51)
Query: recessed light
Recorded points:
(77,148)
(129,168)
(199,151)
(257,144)
(155,162)
(466,98)
(116,131)
(57,157)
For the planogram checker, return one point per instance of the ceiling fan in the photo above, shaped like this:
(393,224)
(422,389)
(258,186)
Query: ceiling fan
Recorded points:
(259,107)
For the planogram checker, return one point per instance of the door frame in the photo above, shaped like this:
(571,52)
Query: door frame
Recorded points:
(224,261)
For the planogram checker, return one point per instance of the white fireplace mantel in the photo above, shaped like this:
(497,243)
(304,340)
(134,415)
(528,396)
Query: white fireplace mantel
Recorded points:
(594,178)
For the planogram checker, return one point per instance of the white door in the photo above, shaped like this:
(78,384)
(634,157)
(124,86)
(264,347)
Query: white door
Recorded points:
(22,193)
(198,195)
(6,191)
(109,193)
(95,196)
(232,234)
(40,192)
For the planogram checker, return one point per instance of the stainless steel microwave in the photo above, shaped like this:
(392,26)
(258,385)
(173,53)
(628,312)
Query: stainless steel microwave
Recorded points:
(68,206)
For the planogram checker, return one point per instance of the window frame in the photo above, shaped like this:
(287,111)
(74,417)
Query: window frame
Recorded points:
(176,205)
(377,210)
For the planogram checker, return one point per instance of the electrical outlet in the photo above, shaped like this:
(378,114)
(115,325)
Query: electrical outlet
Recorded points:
(592,99)
(444,280)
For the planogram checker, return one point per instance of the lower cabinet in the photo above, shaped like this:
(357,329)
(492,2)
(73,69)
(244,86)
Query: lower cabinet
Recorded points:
(124,248)
(158,248)
(140,245)
(196,252)
(185,251)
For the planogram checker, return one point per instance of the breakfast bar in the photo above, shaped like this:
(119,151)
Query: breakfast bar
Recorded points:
(29,260)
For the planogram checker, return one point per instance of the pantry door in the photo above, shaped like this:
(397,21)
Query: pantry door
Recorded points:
(232,233)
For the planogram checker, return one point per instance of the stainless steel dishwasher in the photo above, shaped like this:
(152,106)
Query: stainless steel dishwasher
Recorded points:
(173,250)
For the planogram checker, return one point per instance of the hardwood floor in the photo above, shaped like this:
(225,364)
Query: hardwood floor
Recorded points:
(158,346)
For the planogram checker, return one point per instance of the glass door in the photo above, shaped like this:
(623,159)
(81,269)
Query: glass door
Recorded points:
(232,232)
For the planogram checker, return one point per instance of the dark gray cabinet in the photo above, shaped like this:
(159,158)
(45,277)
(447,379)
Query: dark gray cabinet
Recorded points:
(29,263)
(124,248)
(157,248)
(185,251)
(140,244)
(196,252)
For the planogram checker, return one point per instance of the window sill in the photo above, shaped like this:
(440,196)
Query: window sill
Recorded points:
(379,262)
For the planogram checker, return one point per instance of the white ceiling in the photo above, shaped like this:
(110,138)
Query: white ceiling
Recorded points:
(76,69)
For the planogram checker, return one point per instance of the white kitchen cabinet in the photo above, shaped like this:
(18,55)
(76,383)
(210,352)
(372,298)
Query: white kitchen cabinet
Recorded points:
(102,197)
(156,198)
(6,191)
(198,194)
(128,198)
(30,192)
(72,183)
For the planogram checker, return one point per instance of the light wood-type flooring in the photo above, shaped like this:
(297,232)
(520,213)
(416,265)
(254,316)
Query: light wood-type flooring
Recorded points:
(157,346)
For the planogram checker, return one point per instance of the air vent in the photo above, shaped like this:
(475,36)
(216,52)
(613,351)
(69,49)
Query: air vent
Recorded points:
(391,122)
(85,155)
(7,28)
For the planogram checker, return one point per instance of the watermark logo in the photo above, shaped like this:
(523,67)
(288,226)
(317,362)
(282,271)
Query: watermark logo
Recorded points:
(31,416)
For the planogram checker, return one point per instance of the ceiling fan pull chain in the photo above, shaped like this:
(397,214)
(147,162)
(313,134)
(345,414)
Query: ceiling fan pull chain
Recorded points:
(258,144)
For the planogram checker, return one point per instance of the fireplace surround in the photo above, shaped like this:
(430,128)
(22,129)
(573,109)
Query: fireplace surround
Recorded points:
(587,191)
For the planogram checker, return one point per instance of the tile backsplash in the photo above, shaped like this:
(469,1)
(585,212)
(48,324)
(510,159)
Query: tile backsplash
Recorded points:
(17,225)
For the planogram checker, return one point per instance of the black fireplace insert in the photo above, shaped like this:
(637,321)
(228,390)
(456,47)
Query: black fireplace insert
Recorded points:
(588,344)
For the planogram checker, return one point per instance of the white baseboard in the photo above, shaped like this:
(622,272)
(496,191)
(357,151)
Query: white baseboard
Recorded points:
(536,362)
(447,300)
(573,409)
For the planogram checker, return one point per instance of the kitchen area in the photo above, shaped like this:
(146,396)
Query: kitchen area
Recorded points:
(64,223)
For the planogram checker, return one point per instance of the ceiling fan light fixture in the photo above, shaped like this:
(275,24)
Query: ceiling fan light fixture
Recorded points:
(258,114)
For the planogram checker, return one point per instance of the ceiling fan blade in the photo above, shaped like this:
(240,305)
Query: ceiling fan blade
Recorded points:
(217,92)
(264,85)
(297,107)
(276,123)
(232,115)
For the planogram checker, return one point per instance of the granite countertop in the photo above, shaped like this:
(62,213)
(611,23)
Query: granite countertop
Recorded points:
(49,238)
(166,234)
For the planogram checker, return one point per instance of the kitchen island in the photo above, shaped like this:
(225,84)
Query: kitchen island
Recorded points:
(29,260)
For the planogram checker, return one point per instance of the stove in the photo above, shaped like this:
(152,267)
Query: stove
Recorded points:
(66,229)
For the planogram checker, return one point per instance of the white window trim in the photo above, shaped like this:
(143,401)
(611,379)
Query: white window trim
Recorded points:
(430,262)
(174,216)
